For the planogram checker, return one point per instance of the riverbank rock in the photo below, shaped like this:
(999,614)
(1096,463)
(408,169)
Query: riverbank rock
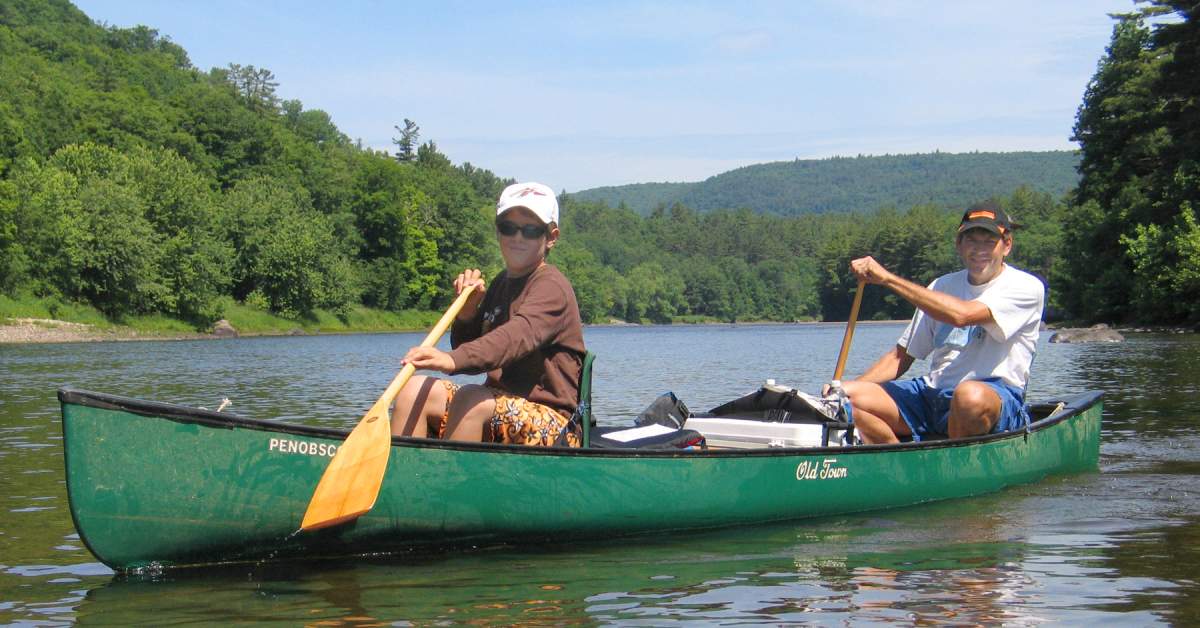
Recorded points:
(1096,333)
(222,329)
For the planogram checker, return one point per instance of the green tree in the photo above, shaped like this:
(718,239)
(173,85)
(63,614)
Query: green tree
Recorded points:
(286,252)
(109,250)
(709,290)
(789,289)
(594,284)
(1139,169)
(653,293)
(256,86)
(127,232)
(404,230)
(406,144)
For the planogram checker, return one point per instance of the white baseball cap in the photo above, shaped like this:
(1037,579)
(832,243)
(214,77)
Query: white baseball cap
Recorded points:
(535,197)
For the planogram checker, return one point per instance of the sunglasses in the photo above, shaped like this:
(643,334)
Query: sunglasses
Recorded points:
(529,232)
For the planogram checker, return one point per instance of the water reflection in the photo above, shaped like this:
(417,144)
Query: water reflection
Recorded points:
(1150,382)
(876,569)
(1117,546)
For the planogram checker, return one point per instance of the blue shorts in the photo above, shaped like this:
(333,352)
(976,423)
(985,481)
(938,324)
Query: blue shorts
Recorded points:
(926,410)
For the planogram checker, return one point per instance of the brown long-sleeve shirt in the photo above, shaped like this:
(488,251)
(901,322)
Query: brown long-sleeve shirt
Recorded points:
(527,336)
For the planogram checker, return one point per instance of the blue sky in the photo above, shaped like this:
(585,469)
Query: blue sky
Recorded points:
(579,95)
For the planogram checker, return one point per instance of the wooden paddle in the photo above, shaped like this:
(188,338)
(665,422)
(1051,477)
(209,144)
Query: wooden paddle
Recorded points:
(351,482)
(845,352)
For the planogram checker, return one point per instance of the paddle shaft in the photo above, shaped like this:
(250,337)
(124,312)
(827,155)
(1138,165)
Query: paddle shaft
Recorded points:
(845,352)
(351,482)
(435,334)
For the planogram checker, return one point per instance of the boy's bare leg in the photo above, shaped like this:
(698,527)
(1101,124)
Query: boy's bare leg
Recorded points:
(421,401)
(473,406)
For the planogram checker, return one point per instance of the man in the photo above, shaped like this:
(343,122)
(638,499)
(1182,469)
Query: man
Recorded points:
(978,327)
(524,331)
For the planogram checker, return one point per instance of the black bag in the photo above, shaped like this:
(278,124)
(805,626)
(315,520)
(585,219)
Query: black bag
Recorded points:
(678,439)
(666,410)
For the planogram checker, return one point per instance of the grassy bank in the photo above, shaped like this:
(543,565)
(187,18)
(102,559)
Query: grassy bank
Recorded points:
(247,321)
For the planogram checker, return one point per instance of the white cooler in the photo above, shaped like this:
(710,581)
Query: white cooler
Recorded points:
(721,432)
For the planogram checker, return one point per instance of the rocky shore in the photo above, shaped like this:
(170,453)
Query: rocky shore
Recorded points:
(34,330)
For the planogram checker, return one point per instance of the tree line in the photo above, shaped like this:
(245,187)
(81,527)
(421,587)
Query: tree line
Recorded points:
(739,265)
(135,182)
(841,184)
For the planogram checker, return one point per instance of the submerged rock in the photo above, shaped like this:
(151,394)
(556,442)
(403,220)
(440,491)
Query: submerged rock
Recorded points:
(1096,333)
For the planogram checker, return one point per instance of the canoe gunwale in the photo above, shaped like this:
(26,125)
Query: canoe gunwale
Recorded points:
(225,420)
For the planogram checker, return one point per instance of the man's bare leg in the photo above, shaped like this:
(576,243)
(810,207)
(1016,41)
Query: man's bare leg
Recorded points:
(974,409)
(876,415)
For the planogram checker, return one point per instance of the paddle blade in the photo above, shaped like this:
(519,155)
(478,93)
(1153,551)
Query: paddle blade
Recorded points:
(352,481)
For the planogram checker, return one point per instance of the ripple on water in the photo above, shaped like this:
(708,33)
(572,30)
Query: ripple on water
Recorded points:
(1097,547)
(74,569)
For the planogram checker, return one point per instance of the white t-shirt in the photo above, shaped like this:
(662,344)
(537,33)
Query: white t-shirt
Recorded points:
(1001,349)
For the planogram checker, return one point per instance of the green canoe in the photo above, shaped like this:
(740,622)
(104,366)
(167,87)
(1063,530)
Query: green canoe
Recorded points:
(161,485)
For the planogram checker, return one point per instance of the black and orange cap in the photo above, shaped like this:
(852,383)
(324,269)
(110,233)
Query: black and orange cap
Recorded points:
(987,216)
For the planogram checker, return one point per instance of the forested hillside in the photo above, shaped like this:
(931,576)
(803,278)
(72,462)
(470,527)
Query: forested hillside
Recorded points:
(136,183)
(841,184)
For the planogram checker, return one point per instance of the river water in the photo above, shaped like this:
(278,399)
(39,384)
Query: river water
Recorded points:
(1119,545)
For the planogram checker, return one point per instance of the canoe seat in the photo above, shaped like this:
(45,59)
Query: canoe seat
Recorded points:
(583,412)
(593,436)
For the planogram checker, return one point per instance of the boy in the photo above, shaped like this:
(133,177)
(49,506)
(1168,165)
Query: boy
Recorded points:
(524,331)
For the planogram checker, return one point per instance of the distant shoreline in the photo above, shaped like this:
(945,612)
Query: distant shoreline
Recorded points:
(48,330)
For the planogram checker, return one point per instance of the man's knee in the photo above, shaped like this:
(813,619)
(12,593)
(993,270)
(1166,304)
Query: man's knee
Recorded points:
(862,395)
(974,409)
(869,399)
(977,396)
(872,398)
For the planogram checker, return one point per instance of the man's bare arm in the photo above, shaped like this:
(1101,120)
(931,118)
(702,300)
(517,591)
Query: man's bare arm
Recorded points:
(942,307)
(888,367)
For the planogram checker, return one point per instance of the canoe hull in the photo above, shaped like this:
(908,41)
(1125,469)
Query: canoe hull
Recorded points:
(161,485)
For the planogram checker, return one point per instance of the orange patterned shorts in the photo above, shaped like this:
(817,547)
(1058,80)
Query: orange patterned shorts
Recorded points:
(516,421)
